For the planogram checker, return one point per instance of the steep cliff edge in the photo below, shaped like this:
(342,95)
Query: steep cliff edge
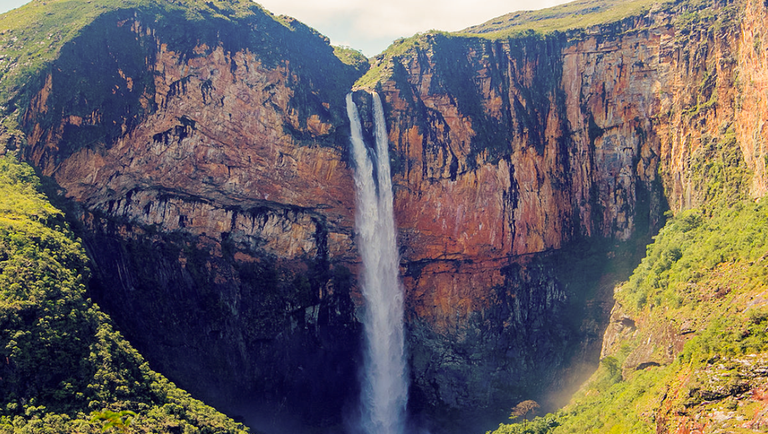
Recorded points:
(199,145)
(513,145)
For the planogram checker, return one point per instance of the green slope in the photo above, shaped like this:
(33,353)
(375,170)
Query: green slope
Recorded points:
(63,367)
(706,274)
(579,14)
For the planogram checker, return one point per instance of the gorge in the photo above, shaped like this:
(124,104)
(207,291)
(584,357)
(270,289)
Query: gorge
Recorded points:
(200,150)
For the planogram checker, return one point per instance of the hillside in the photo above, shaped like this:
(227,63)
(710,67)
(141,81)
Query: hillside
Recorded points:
(65,368)
(579,14)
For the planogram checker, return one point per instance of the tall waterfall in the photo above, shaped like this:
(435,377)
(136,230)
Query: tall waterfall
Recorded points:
(384,388)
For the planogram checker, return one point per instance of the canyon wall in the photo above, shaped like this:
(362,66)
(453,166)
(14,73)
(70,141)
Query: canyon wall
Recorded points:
(511,149)
(204,161)
(713,116)
(207,164)
(511,154)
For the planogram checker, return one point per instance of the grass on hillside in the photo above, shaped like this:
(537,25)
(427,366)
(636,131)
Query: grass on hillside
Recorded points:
(63,366)
(579,14)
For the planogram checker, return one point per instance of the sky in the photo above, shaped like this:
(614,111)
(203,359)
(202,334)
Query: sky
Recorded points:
(371,25)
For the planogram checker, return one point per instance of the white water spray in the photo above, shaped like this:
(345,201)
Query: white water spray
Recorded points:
(384,388)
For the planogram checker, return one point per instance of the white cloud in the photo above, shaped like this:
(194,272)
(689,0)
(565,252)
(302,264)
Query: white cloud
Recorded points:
(371,26)
(6,5)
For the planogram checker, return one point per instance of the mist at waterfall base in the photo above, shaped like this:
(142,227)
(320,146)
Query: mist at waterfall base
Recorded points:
(384,386)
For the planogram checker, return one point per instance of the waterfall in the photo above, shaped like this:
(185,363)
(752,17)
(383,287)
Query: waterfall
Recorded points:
(384,380)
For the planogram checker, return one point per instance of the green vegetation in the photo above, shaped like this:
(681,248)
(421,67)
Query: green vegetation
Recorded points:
(707,271)
(699,15)
(703,270)
(63,367)
(695,337)
(350,56)
(704,278)
(113,419)
(578,14)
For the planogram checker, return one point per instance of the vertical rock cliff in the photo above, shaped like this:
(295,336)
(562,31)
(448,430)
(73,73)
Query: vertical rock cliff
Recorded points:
(202,148)
(511,148)
(510,151)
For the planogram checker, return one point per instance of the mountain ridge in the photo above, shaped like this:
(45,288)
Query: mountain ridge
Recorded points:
(580,14)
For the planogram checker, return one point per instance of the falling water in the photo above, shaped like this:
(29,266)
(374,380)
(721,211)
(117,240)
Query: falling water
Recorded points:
(384,388)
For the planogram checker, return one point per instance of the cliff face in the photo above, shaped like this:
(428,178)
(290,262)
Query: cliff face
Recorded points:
(713,97)
(714,152)
(550,143)
(207,160)
(509,148)
(751,103)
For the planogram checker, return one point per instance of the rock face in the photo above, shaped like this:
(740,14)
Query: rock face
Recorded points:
(712,104)
(209,178)
(208,163)
(511,148)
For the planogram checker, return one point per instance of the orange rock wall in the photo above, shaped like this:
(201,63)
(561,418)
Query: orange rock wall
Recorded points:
(215,202)
(542,188)
(224,138)
(631,106)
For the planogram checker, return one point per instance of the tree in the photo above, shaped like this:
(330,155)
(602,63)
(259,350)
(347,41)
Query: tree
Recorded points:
(120,420)
(524,409)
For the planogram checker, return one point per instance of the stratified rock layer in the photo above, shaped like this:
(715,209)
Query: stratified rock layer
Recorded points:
(510,148)
(214,202)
